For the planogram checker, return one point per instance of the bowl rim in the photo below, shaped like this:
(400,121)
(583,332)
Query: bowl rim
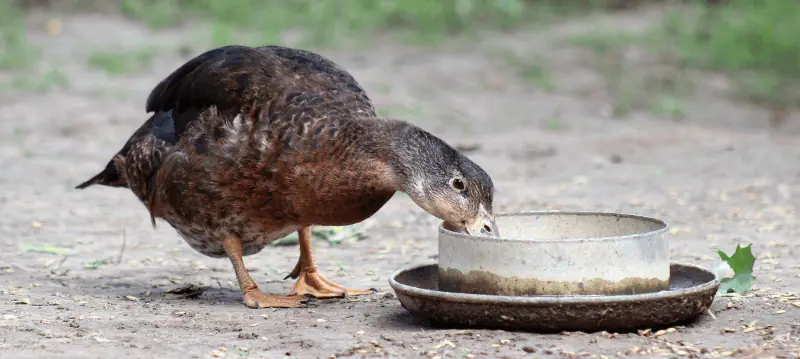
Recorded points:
(663,224)
(405,289)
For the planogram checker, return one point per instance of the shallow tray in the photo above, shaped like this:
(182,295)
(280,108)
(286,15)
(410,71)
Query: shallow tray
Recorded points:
(692,289)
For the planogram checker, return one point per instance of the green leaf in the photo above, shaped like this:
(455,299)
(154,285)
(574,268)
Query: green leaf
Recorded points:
(59,251)
(741,262)
(333,234)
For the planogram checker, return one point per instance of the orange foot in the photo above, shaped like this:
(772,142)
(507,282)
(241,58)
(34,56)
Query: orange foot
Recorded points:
(311,283)
(256,299)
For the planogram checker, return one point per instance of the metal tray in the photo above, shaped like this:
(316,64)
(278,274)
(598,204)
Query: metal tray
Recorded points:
(692,289)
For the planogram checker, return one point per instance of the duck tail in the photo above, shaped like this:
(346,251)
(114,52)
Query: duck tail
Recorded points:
(108,177)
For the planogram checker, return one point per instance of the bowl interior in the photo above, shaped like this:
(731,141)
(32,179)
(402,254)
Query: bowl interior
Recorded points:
(542,226)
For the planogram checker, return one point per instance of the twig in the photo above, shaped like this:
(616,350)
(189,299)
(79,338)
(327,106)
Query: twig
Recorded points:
(61,262)
(122,249)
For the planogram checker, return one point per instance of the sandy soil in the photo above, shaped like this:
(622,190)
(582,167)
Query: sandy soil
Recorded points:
(719,177)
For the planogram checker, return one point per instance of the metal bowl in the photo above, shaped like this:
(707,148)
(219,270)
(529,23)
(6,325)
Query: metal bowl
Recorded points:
(558,253)
(692,290)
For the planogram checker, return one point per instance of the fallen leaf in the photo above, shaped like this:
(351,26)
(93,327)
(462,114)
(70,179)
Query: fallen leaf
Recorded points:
(59,251)
(741,262)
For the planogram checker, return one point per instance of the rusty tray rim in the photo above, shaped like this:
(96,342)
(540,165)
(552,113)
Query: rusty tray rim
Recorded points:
(710,286)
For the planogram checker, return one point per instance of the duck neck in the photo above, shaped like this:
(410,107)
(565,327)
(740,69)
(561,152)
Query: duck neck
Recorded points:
(412,154)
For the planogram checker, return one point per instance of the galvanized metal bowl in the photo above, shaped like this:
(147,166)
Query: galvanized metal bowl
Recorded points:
(558,253)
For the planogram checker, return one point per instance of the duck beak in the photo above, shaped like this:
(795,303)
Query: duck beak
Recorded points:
(482,225)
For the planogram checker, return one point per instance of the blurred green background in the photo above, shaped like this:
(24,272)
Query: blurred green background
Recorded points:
(755,42)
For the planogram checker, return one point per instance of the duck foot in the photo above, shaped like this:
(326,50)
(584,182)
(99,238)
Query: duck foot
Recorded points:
(253,297)
(257,300)
(311,283)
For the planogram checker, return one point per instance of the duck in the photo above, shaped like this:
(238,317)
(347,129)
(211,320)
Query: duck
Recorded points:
(246,145)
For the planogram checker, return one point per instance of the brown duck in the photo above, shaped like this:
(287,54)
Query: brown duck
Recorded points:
(247,145)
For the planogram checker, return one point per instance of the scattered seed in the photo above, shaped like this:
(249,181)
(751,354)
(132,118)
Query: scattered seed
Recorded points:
(131,298)
(780,311)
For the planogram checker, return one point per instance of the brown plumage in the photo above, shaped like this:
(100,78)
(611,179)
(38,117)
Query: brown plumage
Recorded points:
(246,145)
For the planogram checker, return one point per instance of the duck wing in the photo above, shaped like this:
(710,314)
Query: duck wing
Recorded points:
(247,81)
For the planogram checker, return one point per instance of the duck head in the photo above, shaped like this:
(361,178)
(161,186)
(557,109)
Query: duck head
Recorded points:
(444,182)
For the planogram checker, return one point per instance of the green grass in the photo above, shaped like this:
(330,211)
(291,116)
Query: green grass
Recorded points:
(40,83)
(18,56)
(408,112)
(532,68)
(14,50)
(122,62)
(753,42)
(328,22)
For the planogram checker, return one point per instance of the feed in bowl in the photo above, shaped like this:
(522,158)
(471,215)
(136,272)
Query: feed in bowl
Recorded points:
(558,253)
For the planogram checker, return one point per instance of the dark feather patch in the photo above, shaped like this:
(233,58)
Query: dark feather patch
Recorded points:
(164,127)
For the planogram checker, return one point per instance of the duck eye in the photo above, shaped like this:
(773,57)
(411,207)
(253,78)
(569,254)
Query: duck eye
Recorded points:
(457,184)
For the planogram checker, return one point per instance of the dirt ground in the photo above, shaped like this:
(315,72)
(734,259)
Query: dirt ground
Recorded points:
(720,177)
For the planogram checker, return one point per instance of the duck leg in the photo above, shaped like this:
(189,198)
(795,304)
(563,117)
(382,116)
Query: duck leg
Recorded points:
(253,297)
(310,281)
